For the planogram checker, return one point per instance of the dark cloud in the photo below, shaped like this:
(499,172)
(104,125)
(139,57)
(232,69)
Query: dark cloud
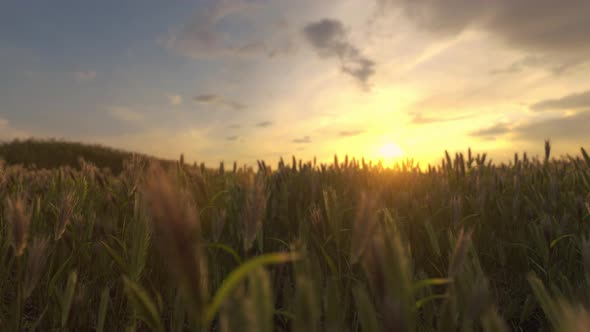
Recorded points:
(232,138)
(350,133)
(216,100)
(264,124)
(418,118)
(573,101)
(329,39)
(303,140)
(572,129)
(540,25)
(492,132)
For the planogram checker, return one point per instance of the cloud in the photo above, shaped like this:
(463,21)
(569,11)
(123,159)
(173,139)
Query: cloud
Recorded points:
(538,25)
(329,39)
(571,128)
(216,100)
(350,133)
(194,143)
(303,140)
(575,101)
(418,118)
(81,76)
(125,114)
(264,124)
(209,35)
(200,37)
(232,138)
(492,132)
(234,126)
(556,65)
(7,132)
(174,100)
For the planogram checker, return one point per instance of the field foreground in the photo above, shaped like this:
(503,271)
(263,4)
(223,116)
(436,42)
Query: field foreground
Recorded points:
(467,245)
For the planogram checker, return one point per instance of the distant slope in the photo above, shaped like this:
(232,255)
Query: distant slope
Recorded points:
(55,153)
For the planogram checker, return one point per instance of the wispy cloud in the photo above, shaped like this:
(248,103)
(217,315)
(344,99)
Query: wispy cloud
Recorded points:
(232,138)
(303,140)
(81,76)
(570,128)
(556,65)
(206,36)
(216,100)
(125,114)
(7,132)
(492,132)
(328,37)
(419,118)
(174,100)
(537,25)
(573,129)
(264,124)
(574,101)
(350,133)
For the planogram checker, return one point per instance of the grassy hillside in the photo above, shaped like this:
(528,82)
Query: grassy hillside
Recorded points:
(49,154)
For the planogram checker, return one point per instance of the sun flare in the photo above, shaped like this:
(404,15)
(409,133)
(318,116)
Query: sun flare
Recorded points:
(391,151)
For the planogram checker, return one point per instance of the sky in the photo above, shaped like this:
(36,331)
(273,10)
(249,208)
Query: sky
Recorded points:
(247,80)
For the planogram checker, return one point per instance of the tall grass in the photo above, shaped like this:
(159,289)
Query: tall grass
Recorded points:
(465,245)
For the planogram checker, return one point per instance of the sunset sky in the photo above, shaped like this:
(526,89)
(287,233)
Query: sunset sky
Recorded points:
(246,80)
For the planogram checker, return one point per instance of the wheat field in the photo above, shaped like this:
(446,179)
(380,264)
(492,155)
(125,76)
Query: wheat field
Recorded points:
(466,245)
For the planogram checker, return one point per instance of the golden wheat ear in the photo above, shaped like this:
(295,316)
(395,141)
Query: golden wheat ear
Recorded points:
(177,234)
(65,214)
(35,265)
(20,220)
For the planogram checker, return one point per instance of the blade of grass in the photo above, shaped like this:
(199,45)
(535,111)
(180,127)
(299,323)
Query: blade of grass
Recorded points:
(367,313)
(422,302)
(554,242)
(239,274)
(227,249)
(68,297)
(145,308)
(102,309)
(431,282)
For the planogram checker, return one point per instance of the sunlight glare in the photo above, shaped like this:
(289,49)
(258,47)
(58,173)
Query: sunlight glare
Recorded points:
(391,151)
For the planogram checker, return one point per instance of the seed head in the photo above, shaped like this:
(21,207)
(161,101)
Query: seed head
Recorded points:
(65,214)
(219,218)
(457,207)
(365,224)
(254,209)
(35,265)
(2,174)
(460,253)
(19,219)
(177,233)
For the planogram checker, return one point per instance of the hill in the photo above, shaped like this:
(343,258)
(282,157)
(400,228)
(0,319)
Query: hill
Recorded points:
(55,153)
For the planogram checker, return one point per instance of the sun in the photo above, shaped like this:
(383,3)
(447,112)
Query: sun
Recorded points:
(391,151)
